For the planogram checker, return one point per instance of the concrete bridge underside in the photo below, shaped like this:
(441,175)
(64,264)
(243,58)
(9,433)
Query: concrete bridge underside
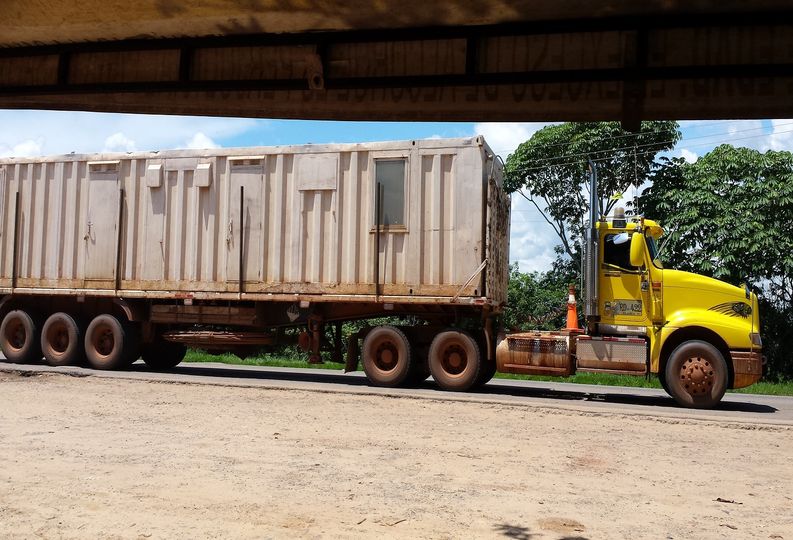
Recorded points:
(499,60)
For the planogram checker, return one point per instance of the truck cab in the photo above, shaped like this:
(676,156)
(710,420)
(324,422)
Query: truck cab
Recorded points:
(698,334)
(701,334)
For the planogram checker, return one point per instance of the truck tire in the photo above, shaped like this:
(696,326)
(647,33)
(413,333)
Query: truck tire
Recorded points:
(387,356)
(455,360)
(20,337)
(162,355)
(696,375)
(62,340)
(110,344)
(487,372)
(419,372)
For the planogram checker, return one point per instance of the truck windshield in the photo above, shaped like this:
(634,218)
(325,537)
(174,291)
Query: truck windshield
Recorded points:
(653,248)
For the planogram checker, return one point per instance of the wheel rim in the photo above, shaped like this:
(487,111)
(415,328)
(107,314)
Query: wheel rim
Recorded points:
(58,337)
(386,355)
(454,359)
(16,336)
(697,376)
(103,340)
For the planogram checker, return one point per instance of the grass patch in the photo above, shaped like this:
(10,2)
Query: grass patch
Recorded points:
(602,379)
(262,360)
(784,388)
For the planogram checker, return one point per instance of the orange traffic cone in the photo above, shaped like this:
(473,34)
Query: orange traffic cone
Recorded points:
(572,312)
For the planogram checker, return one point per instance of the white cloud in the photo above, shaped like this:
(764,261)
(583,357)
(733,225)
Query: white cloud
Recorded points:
(59,132)
(531,239)
(200,141)
(688,155)
(504,137)
(27,148)
(781,136)
(118,142)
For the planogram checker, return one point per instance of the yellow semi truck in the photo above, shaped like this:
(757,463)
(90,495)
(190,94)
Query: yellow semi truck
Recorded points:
(700,335)
(108,258)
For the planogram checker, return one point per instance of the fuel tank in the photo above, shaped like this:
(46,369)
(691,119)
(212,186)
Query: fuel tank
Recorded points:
(536,353)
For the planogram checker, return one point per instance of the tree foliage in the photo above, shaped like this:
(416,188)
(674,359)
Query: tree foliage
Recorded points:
(536,300)
(549,170)
(730,215)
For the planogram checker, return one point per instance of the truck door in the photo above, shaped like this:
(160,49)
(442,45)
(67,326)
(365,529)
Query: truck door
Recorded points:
(244,227)
(622,300)
(101,233)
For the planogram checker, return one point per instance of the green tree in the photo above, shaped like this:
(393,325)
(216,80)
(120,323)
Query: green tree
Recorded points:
(535,300)
(549,170)
(730,215)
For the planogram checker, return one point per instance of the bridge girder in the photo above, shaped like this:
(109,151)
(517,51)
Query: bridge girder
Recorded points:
(519,61)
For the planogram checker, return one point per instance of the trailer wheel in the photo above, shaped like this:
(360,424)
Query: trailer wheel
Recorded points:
(487,372)
(162,355)
(61,340)
(696,375)
(20,337)
(387,356)
(419,372)
(110,344)
(455,360)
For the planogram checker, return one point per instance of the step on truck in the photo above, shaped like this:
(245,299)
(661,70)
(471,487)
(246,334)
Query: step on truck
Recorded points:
(108,258)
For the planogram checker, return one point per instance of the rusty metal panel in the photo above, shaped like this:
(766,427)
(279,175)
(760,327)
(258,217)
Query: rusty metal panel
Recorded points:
(613,354)
(497,229)
(305,224)
(538,353)
(748,367)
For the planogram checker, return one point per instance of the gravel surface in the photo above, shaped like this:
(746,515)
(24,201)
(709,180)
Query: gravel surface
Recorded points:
(110,458)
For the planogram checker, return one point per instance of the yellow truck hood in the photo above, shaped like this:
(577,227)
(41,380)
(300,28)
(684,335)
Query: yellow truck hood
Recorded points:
(677,279)
(694,300)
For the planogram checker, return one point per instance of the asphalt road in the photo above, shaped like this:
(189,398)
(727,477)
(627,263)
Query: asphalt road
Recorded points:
(735,408)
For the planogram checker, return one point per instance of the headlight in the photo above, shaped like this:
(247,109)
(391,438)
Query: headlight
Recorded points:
(757,341)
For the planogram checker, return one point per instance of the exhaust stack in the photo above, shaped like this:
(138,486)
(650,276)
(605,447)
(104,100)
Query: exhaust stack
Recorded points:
(590,254)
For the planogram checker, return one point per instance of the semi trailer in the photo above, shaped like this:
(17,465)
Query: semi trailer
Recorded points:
(108,258)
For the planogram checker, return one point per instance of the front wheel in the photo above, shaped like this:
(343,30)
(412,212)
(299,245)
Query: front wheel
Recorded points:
(696,375)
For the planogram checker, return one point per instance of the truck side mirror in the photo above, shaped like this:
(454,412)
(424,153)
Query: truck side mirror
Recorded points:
(637,250)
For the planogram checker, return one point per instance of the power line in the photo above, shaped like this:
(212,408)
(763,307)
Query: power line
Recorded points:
(624,148)
(643,152)
(717,134)
(552,145)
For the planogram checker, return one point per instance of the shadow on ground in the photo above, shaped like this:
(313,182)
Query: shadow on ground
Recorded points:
(502,388)
(518,532)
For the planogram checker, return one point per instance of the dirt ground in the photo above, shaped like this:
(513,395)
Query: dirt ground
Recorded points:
(101,458)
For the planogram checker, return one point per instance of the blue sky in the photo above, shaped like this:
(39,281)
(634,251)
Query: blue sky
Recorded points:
(32,133)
